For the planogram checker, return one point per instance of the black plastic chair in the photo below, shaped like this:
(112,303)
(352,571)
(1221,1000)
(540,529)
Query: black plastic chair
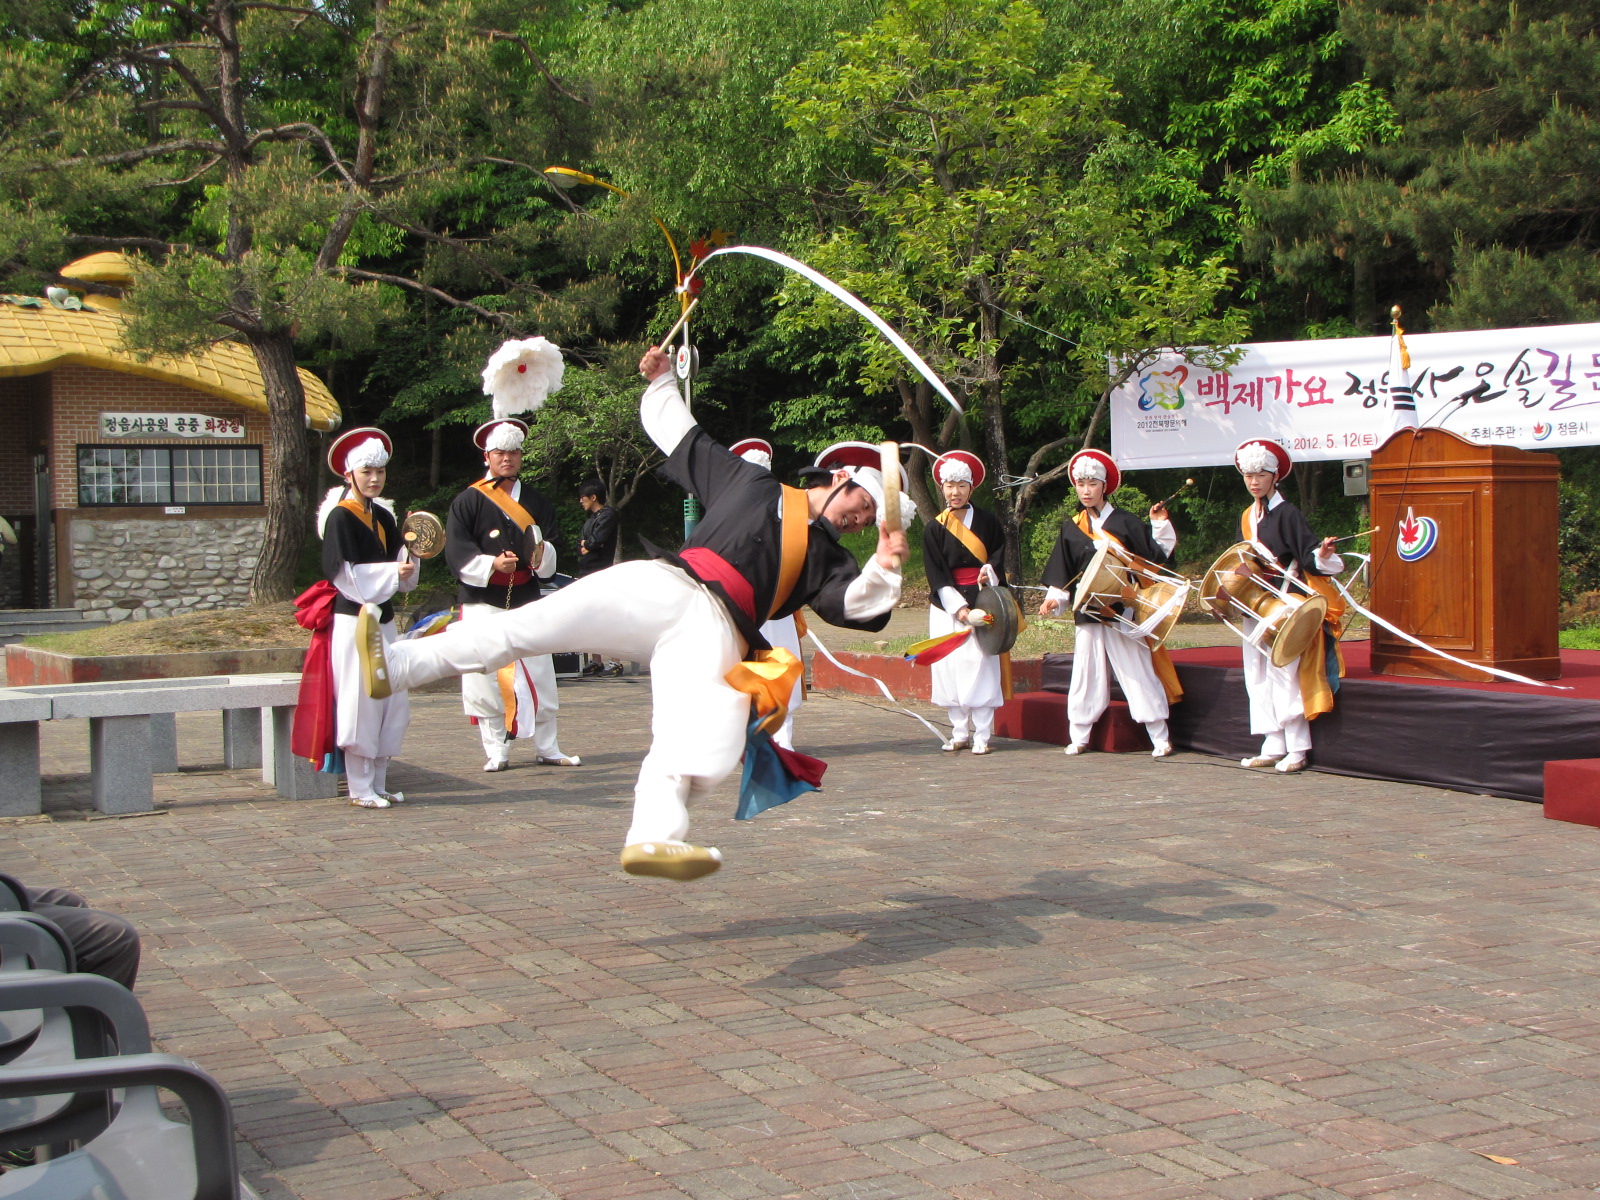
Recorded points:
(141,1155)
(13,896)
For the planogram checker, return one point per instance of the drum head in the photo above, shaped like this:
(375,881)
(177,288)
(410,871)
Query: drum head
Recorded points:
(1001,635)
(1239,552)
(1152,598)
(423,534)
(1298,631)
(1104,576)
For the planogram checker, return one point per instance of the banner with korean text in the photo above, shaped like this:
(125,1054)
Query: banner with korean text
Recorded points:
(1533,388)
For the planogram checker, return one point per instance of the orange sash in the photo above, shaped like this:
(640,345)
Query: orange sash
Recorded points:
(1159,658)
(957,528)
(796,527)
(1316,696)
(364,515)
(506,504)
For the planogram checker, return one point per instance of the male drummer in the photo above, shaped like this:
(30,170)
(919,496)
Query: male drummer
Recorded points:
(962,550)
(1284,700)
(692,616)
(1101,647)
(497,542)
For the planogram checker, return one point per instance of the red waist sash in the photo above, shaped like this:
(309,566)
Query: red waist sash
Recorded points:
(965,576)
(501,579)
(711,567)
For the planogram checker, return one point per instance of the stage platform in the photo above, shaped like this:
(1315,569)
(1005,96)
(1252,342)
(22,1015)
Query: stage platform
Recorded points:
(1489,738)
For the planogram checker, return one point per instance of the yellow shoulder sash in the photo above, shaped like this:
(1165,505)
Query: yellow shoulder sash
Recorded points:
(957,528)
(364,515)
(502,499)
(796,525)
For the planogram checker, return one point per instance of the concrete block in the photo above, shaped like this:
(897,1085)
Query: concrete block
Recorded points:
(241,737)
(294,777)
(119,764)
(163,743)
(19,769)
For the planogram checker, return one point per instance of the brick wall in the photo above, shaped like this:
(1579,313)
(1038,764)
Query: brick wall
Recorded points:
(80,394)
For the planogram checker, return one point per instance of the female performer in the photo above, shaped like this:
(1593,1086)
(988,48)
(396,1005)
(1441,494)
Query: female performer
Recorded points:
(962,551)
(1284,700)
(364,558)
(1101,648)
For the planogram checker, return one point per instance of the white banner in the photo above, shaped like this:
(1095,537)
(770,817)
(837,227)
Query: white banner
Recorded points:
(1533,388)
(189,425)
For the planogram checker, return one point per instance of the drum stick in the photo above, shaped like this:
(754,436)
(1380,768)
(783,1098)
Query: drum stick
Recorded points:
(1187,484)
(666,341)
(1353,536)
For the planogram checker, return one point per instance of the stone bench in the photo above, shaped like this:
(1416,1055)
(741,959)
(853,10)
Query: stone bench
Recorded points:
(133,735)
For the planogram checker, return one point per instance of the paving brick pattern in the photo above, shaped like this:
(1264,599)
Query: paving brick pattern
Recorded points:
(985,979)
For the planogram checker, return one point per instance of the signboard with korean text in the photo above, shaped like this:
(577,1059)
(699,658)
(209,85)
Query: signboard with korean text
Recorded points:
(1532,388)
(187,425)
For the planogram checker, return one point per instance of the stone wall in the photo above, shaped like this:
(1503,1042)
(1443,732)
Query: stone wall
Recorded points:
(135,569)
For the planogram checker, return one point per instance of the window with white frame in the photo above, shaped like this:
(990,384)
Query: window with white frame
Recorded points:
(131,476)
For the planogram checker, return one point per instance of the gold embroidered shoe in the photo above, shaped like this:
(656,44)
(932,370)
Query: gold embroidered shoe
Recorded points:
(671,860)
(369,648)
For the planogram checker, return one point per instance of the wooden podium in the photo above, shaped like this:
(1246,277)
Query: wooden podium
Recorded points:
(1486,590)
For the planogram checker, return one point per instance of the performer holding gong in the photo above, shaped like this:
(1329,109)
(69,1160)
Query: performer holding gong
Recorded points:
(1284,700)
(497,545)
(365,559)
(761,550)
(1101,647)
(962,551)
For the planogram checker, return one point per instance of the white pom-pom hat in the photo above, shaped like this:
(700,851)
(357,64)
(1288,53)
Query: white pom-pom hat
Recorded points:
(863,461)
(1095,464)
(500,435)
(958,466)
(366,446)
(756,450)
(520,376)
(1263,454)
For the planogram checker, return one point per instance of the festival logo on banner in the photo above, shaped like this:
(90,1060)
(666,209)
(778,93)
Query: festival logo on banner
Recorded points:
(1417,536)
(1542,430)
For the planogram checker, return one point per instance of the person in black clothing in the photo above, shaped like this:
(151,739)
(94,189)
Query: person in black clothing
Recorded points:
(102,942)
(498,544)
(597,550)
(692,616)
(365,559)
(1101,649)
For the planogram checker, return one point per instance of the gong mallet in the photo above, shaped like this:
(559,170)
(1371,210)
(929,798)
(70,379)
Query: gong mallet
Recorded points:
(1187,484)
(1350,537)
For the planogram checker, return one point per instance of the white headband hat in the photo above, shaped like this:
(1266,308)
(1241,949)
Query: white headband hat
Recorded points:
(1254,457)
(1088,467)
(370,453)
(953,470)
(504,436)
(871,479)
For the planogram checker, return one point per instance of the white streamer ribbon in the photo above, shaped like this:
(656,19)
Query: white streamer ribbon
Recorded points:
(882,687)
(1416,641)
(844,297)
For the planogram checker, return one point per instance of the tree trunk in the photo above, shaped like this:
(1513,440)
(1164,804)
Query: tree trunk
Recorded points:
(288,490)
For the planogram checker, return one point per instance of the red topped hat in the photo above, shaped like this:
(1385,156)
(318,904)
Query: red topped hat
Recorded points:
(342,445)
(738,448)
(480,435)
(1285,463)
(971,461)
(1112,473)
(857,454)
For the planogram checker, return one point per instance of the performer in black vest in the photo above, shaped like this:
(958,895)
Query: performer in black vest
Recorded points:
(1101,648)
(962,550)
(692,616)
(498,544)
(1284,700)
(364,558)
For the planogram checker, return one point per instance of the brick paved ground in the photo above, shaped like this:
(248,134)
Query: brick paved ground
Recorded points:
(986,979)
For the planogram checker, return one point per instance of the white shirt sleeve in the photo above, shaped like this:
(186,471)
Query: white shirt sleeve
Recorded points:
(477,571)
(664,414)
(547,562)
(873,592)
(950,600)
(368,583)
(1164,534)
(1055,593)
(1330,563)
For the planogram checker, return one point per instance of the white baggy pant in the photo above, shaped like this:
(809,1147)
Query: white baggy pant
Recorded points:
(1277,711)
(1098,652)
(481,698)
(640,610)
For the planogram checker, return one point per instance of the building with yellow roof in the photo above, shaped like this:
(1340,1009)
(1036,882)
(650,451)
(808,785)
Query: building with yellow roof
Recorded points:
(136,487)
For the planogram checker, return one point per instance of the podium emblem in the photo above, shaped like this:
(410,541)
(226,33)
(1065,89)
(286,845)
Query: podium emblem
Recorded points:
(1416,537)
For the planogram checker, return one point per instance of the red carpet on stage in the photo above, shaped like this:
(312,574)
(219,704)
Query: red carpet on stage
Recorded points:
(1489,738)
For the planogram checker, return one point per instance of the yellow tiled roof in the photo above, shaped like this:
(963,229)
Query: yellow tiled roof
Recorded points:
(33,340)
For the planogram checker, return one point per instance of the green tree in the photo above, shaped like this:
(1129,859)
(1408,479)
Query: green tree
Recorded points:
(994,201)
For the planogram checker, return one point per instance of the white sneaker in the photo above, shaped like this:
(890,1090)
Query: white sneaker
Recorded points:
(1291,764)
(1162,751)
(1077,748)
(1260,761)
(980,746)
(497,764)
(369,802)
